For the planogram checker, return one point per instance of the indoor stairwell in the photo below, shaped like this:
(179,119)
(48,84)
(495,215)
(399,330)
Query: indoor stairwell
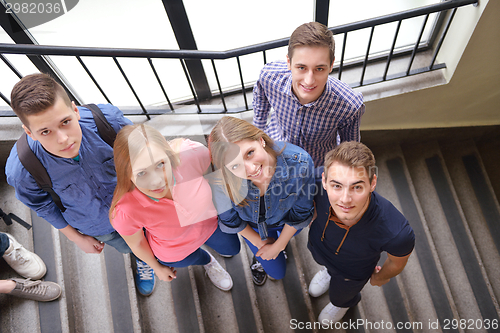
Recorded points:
(446,189)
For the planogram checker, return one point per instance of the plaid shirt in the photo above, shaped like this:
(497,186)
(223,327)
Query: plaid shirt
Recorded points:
(313,126)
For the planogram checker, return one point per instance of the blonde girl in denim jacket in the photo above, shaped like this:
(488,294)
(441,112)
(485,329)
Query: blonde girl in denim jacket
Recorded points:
(262,190)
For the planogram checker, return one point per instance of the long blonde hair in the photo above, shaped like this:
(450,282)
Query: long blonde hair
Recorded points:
(225,133)
(129,143)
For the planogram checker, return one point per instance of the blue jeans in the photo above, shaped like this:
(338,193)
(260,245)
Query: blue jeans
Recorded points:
(115,240)
(275,268)
(225,244)
(4,243)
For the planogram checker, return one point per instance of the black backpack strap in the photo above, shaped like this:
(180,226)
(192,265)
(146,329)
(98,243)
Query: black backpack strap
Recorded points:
(33,165)
(106,131)
(7,218)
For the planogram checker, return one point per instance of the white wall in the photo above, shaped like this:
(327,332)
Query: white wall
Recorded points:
(471,96)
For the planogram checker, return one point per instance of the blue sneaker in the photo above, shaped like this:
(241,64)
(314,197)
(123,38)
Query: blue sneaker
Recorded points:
(144,278)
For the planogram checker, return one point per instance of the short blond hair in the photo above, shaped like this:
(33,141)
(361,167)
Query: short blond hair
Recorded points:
(352,154)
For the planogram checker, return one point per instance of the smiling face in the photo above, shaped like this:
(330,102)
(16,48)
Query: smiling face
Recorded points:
(310,66)
(57,129)
(152,173)
(348,190)
(252,162)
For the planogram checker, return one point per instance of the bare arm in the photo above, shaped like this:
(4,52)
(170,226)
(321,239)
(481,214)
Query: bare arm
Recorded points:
(253,237)
(392,267)
(140,246)
(86,243)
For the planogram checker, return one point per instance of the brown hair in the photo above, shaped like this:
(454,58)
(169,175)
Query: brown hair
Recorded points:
(312,34)
(225,133)
(129,143)
(36,93)
(352,154)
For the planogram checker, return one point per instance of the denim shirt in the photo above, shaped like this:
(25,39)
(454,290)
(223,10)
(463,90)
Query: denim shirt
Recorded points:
(85,186)
(288,198)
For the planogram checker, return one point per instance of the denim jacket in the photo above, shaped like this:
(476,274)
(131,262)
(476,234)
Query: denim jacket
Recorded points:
(288,198)
(85,186)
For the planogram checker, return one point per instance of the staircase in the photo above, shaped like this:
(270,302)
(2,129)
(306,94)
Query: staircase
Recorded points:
(446,182)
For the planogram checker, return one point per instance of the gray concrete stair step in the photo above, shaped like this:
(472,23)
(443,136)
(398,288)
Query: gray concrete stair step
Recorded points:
(422,282)
(479,204)
(96,292)
(16,314)
(449,230)
(436,284)
(489,148)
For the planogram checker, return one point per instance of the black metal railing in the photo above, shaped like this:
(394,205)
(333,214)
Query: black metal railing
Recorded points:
(434,44)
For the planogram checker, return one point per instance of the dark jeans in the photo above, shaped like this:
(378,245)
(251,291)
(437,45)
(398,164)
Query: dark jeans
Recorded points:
(274,268)
(344,293)
(4,243)
(226,244)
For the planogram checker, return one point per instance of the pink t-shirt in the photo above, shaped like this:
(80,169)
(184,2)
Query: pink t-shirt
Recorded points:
(174,228)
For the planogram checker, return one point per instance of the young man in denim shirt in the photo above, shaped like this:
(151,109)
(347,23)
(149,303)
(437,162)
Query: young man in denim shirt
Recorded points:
(79,162)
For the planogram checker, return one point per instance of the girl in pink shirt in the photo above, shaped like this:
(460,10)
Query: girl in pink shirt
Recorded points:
(162,205)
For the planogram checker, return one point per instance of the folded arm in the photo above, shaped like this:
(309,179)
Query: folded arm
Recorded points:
(271,251)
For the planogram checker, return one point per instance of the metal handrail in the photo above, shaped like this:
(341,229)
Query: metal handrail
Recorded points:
(197,54)
(238,52)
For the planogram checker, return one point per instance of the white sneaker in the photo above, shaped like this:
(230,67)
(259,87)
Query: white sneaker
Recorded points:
(24,262)
(218,275)
(320,283)
(332,313)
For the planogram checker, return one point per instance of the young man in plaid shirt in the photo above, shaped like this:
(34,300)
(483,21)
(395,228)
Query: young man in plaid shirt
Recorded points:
(311,109)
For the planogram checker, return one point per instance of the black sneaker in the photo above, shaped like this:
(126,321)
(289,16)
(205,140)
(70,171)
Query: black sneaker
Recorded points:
(259,276)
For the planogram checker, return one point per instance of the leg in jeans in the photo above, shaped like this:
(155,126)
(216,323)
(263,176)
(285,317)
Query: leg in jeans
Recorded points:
(216,273)
(225,244)
(198,257)
(274,268)
(4,243)
(115,240)
(344,293)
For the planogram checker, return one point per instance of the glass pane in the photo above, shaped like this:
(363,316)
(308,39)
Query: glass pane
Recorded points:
(234,24)
(8,77)
(110,23)
(341,12)
(221,25)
